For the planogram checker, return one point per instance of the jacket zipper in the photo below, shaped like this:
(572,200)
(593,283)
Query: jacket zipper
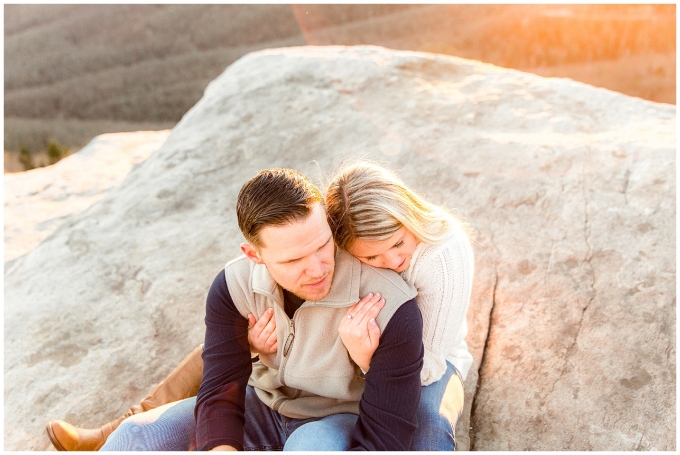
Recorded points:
(286,350)
(289,340)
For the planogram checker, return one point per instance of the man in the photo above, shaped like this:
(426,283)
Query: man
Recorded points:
(308,395)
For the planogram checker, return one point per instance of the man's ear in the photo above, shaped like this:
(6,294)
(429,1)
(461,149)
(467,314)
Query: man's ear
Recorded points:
(251,253)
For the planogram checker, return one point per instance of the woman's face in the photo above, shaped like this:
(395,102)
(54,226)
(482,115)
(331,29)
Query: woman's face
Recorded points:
(392,253)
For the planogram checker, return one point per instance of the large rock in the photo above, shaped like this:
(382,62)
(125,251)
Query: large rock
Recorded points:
(39,200)
(571,190)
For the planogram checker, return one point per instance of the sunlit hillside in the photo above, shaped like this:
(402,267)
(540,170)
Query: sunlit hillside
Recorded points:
(75,71)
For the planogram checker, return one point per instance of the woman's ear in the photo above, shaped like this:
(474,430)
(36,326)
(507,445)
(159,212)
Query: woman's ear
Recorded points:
(251,252)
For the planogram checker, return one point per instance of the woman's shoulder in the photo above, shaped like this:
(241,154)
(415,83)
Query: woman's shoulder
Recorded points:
(456,240)
(428,258)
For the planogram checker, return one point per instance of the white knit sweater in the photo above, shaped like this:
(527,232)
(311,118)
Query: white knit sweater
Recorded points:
(442,274)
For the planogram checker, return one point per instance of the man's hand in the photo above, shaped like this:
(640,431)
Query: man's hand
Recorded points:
(358,330)
(262,334)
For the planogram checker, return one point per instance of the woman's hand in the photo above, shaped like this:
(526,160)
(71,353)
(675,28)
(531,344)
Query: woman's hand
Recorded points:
(262,334)
(358,330)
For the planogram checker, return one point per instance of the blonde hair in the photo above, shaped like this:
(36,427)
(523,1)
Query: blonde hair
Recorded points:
(367,201)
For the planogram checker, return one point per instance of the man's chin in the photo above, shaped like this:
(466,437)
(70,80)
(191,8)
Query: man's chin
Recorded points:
(312,296)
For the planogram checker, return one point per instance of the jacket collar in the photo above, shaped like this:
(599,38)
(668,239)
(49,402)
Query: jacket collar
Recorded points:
(344,287)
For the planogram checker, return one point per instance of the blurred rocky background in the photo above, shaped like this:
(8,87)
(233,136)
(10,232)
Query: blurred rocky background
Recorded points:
(75,71)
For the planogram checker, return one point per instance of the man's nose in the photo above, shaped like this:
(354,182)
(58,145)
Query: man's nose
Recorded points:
(315,266)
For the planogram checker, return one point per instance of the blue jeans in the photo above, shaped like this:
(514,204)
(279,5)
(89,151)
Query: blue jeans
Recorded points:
(172,427)
(441,404)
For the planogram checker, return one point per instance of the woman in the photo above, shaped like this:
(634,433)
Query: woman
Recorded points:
(383,223)
(378,219)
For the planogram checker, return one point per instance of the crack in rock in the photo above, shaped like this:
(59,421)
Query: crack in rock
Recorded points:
(486,345)
(638,447)
(547,272)
(626,180)
(587,259)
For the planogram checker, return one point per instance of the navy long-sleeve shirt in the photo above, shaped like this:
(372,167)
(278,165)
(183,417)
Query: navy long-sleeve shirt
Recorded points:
(388,406)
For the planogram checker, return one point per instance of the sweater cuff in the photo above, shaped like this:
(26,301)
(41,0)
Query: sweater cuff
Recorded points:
(434,367)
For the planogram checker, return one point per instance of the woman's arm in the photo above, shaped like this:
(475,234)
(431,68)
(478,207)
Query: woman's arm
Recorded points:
(444,282)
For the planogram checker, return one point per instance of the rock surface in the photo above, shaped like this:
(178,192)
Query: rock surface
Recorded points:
(571,190)
(37,201)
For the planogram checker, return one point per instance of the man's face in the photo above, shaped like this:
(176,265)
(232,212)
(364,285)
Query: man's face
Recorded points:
(300,256)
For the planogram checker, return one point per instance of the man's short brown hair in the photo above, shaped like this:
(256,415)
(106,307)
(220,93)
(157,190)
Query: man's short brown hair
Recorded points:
(274,197)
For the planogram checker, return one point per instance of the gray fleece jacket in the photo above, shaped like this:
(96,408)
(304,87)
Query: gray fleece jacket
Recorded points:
(311,374)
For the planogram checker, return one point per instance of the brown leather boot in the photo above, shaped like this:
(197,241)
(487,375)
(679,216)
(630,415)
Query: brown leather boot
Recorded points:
(182,383)
(65,436)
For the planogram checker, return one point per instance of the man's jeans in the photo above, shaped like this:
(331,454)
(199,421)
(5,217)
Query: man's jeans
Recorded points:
(172,426)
